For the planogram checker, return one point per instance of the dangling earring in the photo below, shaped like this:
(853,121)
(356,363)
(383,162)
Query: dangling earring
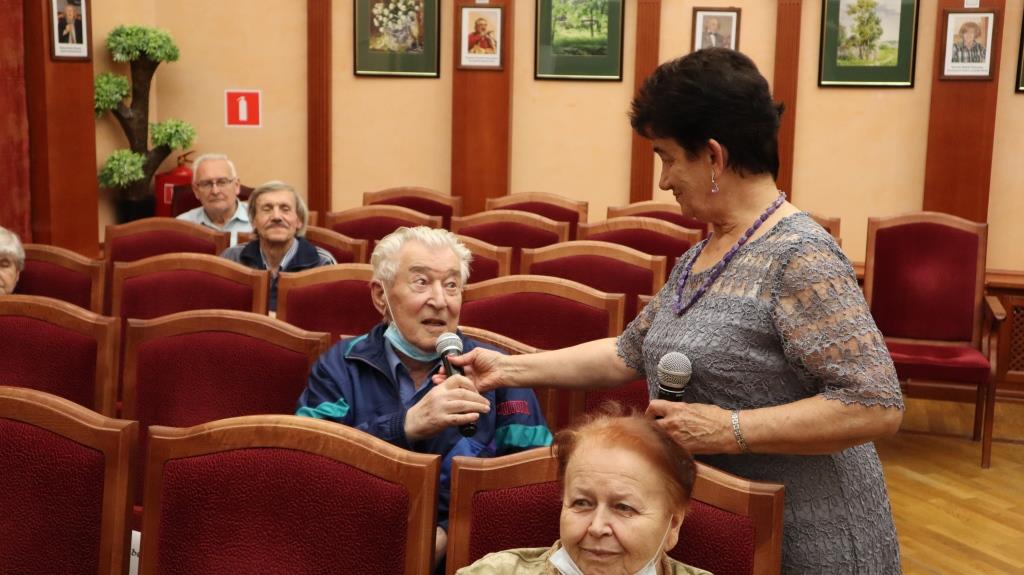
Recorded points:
(714,184)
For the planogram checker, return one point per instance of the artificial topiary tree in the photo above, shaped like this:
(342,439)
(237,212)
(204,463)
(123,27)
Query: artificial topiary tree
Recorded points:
(129,172)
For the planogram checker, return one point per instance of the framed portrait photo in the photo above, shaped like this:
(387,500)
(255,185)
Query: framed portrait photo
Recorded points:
(70,29)
(871,44)
(397,38)
(967,44)
(1019,84)
(579,40)
(716,27)
(480,39)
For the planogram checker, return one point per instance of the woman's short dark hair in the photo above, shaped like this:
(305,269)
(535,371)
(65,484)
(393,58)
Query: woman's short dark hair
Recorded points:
(609,427)
(712,93)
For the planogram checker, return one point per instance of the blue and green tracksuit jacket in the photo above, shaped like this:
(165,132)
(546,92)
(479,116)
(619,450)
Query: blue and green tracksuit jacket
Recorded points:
(352,384)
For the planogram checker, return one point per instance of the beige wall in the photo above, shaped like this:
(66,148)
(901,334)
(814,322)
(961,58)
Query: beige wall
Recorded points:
(858,152)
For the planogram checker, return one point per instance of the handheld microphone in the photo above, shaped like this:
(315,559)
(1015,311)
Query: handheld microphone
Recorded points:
(674,370)
(449,344)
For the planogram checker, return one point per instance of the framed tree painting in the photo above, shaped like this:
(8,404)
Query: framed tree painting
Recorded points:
(868,43)
(579,40)
(397,38)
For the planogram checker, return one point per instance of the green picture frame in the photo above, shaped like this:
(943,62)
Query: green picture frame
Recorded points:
(868,44)
(392,40)
(579,40)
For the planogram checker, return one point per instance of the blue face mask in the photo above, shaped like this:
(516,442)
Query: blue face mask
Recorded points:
(402,345)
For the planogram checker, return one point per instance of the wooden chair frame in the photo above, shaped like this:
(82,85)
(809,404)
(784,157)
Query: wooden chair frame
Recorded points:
(75,262)
(624,254)
(220,240)
(988,312)
(648,206)
(831,225)
(501,254)
(411,217)
(312,219)
(115,438)
(359,248)
(383,196)
(581,207)
(416,472)
(640,222)
(105,330)
(274,331)
(561,229)
(258,280)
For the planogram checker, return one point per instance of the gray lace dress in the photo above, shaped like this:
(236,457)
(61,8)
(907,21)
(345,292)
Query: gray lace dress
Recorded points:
(786,321)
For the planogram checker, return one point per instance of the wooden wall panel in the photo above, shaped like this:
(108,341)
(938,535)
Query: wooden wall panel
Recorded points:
(787,67)
(961,127)
(62,140)
(648,38)
(482,118)
(318,79)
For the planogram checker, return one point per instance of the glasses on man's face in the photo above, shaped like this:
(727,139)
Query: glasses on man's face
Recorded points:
(207,185)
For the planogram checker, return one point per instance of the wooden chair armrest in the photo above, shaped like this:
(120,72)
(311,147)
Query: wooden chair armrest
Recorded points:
(995,309)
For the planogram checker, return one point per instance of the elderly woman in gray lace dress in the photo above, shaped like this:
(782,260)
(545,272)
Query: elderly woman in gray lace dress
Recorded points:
(791,378)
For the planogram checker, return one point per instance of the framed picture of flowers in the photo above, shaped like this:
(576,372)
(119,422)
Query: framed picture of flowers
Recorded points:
(397,38)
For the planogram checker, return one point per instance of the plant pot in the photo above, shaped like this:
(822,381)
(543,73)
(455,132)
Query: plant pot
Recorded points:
(129,210)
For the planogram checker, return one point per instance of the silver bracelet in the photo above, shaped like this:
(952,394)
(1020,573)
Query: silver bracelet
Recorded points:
(737,433)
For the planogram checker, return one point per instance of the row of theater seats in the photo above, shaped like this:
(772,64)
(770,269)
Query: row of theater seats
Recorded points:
(283,494)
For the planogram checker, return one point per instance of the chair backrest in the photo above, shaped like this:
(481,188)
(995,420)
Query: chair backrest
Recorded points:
(668,211)
(60,348)
(512,228)
(62,274)
(345,250)
(313,218)
(335,299)
(170,283)
(374,222)
(831,225)
(922,262)
(649,235)
(489,261)
(290,494)
(184,199)
(608,267)
(198,366)
(423,200)
(155,236)
(552,206)
(733,526)
(502,503)
(64,489)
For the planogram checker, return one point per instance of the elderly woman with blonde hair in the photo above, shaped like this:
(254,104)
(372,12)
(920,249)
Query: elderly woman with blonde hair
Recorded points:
(625,491)
(12,261)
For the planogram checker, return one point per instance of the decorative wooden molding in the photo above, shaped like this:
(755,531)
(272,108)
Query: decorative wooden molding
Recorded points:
(787,66)
(648,38)
(318,90)
(961,128)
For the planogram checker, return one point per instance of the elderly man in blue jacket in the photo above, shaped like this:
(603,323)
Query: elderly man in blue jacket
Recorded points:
(381,382)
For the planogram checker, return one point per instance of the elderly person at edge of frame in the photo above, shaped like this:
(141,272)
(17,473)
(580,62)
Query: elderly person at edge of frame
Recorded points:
(12,261)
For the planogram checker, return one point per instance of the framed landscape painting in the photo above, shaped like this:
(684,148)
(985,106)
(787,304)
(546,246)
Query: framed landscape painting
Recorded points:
(579,40)
(868,43)
(397,38)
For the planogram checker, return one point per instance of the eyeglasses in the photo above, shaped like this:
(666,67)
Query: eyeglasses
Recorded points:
(207,185)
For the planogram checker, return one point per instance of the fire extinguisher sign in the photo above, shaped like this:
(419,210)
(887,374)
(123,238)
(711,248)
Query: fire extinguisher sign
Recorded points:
(243,107)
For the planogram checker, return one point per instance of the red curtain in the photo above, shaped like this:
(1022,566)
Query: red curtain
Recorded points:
(14,189)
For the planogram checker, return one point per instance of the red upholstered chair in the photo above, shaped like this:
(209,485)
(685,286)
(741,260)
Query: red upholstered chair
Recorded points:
(649,235)
(184,198)
(831,225)
(64,486)
(62,274)
(313,218)
(489,261)
(423,200)
(335,299)
(286,494)
(551,206)
(154,236)
(197,366)
(374,222)
(512,228)
(60,348)
(611,268)
(668,211)
(924,280)
(502,503)
(344,249)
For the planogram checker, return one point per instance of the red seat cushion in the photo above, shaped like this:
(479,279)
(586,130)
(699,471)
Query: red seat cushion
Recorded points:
(483,269)
(939,362)
(40,355)
(371,228)
(542,320)
(716,540)
(339,308)
(162,293)
(605,274)
(550,211)
(513,235)
(341,255)
(633,395)
(423,206)
(513,518)
(51,280)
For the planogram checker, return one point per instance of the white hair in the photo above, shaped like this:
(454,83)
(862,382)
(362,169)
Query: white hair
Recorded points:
(277,186)
(209,157)
(385,256)
(10,246)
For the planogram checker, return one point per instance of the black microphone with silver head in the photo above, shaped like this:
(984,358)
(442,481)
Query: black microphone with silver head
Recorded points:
(449,344)
(674,370)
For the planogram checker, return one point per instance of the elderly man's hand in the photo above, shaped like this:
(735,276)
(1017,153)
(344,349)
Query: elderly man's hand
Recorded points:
(451,402)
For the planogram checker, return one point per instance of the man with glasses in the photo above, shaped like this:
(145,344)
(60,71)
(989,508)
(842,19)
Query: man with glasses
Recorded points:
(215,184)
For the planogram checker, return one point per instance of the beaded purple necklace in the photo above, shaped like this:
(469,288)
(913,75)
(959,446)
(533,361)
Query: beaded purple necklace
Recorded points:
(677,304)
